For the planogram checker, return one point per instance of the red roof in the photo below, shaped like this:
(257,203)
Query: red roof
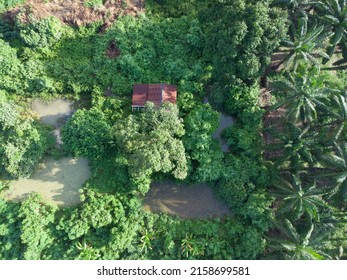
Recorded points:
(156,93)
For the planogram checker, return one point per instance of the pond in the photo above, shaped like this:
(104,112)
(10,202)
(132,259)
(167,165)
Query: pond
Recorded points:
(185,201)
(225,121)
(54,113)
(57,181)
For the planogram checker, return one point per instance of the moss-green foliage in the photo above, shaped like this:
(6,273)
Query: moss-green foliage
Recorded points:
(87,133)
(152,50)
(93,3)
(152,143)
(247,44)
(23,141)
(9,231)
(114,227)
(204,152)
(36,234)
(7,4)
(176,9)
(40,33)
(11,70)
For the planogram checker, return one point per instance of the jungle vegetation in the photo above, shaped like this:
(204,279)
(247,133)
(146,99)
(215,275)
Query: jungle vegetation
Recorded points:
(284,180)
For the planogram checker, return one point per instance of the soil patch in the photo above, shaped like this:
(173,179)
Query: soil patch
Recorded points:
(76,12)
(57,181)
(188,202)
(112,50)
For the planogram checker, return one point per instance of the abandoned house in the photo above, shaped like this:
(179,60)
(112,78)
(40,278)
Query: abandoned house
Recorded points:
(155,93)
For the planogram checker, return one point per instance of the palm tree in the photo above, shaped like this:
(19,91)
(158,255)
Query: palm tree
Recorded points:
(304,44)
(336,168)
(334,14)
(296,7)
(295,245)
(297,200)
(303,95)
(296,146)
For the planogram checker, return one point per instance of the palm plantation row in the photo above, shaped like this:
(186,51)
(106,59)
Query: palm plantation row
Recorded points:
(310,163)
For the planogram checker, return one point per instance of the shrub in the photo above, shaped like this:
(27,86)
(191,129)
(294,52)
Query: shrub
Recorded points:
(40,33)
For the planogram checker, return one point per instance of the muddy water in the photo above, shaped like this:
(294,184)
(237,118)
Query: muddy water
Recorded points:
(188,202)
(224,122)
(54,113)
(57,181)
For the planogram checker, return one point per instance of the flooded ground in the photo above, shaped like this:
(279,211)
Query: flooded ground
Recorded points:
(54,113)
(185,201)
(224,122)
(57,181)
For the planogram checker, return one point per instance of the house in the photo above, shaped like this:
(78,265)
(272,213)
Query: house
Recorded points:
(155,93)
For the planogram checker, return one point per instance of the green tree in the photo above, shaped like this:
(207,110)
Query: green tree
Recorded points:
(11,68)
(40,33)
(304,95)
(305,44)
(335,167)
(204,152)
(333,13)
(297,200)
(87,133)
(296,147)
(240,38)
(297,244)
(23,142)
(152,142)
(35,232)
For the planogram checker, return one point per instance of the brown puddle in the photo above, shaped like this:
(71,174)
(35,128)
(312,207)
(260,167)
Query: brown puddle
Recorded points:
(188,202)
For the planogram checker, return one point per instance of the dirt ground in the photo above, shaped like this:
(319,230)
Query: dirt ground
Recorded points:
(57,181)
(75,12)
(188,202)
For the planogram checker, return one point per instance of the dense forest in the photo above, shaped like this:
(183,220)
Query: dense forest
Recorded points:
(278,67)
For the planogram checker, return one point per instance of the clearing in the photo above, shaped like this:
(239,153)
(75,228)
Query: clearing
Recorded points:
(78,12)
(188,202)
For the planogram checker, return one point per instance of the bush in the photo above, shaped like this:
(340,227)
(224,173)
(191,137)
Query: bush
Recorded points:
(23,142)
(40,33)
(8,4)
(87,134)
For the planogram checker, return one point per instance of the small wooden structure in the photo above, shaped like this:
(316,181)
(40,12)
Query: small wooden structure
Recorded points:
(155,93)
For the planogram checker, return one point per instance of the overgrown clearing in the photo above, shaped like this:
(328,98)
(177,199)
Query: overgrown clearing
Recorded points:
(271,143)
(79,12)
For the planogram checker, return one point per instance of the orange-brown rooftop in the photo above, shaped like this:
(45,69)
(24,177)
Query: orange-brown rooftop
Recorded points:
(155,93)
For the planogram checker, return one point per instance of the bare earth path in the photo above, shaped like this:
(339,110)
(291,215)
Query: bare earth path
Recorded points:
(184,201)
